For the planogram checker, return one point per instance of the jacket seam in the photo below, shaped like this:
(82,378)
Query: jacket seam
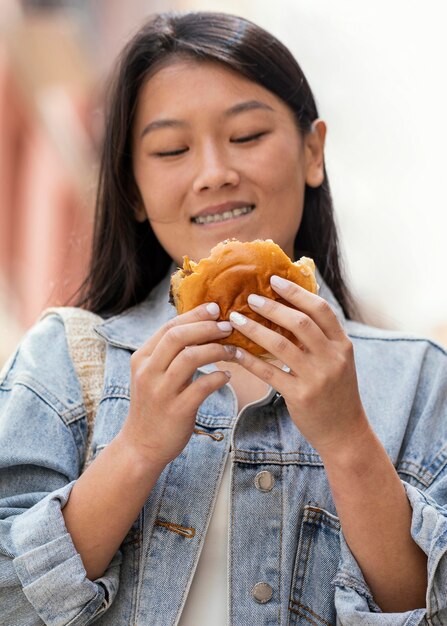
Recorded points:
(401,339)
(68,416)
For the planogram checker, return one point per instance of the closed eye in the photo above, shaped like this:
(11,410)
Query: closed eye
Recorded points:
(249,138)
(171,153)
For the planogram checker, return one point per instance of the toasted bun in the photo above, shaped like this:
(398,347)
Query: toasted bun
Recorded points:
(234,270)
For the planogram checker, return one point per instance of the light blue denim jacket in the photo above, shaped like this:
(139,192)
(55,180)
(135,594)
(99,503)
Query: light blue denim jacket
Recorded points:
(288,536)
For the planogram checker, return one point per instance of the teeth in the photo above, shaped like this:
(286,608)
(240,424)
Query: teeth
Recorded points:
(220,217)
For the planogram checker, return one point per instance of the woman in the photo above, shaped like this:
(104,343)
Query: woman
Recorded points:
(209,114)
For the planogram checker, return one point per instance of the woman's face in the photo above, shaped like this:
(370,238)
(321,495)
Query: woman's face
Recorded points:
(217,156)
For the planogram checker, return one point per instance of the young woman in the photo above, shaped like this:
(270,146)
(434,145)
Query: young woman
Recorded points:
(223,489)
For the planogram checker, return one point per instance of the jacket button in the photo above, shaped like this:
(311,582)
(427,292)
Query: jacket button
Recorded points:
(264,481)
(262,592)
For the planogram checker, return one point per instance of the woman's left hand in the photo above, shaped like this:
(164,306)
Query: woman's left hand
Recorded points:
(321,390)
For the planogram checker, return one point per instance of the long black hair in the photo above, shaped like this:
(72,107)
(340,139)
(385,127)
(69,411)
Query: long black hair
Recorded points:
(127,260)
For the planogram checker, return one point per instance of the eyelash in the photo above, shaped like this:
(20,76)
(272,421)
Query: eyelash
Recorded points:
(240,140)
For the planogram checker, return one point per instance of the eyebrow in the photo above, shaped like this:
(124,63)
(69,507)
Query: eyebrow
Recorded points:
(241,107)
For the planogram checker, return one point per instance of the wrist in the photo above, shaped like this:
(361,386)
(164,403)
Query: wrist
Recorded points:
(139,456)
(352,449)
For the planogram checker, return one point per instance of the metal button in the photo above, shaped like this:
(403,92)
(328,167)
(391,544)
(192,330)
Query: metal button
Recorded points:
(262,592)
(264,481)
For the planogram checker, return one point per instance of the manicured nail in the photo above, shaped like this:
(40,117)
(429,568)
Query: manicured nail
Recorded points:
(230,349)
(256,301)
(278,282)
(239,355)
(212,308)
(237,318)
(225,326)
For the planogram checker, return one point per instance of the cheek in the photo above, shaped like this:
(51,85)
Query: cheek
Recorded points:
(280,169)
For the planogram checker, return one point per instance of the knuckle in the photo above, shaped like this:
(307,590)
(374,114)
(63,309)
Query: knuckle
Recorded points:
(302,321)
(323,307)
(173,334)
(207,383)
(199,313)
(189,354)
(170,324)
(348,347)
(267,373)
(281,344)
(134,360)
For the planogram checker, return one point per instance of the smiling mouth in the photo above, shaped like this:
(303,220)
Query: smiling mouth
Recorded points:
(223,217)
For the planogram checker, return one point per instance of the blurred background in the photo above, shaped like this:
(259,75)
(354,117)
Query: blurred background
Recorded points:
(378,73)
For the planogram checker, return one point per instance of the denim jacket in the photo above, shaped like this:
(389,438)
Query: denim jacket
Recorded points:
(283,526)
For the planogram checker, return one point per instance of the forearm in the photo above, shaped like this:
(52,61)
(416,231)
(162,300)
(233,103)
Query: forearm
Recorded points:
(375,517)
(105,501)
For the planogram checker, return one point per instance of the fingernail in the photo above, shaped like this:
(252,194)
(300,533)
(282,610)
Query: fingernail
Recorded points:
(239,355)
(212,308)
(237,318)
(225,326)
(257,301)
(278,282)
(230,349)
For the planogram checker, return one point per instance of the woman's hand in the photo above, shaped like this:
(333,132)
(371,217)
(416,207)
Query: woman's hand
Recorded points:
(320,391)
(163,398)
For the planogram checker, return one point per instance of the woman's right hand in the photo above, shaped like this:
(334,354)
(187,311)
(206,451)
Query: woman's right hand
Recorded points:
(163,399)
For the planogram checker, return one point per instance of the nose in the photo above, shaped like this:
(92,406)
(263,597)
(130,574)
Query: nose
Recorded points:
(214,171)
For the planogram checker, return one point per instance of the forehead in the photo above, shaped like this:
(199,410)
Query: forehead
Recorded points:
(198,85)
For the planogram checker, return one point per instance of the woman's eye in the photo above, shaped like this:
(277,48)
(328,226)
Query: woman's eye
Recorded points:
(249,138)
(170,152)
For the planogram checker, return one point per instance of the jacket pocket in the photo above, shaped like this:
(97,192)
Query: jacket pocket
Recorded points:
(316,564)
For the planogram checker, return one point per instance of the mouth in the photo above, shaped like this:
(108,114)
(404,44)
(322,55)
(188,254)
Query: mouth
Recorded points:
(224,216)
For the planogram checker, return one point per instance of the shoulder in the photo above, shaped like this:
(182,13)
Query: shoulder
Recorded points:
(395,343)
(42,364)
(402,366)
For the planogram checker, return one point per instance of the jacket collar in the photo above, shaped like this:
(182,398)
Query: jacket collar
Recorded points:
(131,328)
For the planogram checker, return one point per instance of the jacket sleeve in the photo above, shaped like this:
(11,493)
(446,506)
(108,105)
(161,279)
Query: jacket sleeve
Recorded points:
(42,445)
(423,470)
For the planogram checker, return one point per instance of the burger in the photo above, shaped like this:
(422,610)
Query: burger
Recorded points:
(231,272)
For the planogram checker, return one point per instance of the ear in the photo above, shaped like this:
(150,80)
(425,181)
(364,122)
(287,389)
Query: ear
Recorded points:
(139,209)
(314,151)
(140,212)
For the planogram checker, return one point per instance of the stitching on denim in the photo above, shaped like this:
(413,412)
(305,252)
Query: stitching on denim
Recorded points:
(281,495)
(67,415)
(421,469)
(305,616)
(346,580)
(306,560)
(306,608)
(267,458)
(184,531)
(231,545)
(409,474)
(403,339)
(149,539)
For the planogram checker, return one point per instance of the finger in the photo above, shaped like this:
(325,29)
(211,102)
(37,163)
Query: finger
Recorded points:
(207,311)
(178,337)
(315,307)
(272,341)
(204,386)
(269,373)
(180,371)
(309,335)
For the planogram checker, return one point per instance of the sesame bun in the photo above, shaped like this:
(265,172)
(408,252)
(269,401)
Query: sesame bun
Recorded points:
(234,270)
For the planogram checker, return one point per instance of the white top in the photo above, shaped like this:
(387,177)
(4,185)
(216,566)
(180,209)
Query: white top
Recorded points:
(207,598)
